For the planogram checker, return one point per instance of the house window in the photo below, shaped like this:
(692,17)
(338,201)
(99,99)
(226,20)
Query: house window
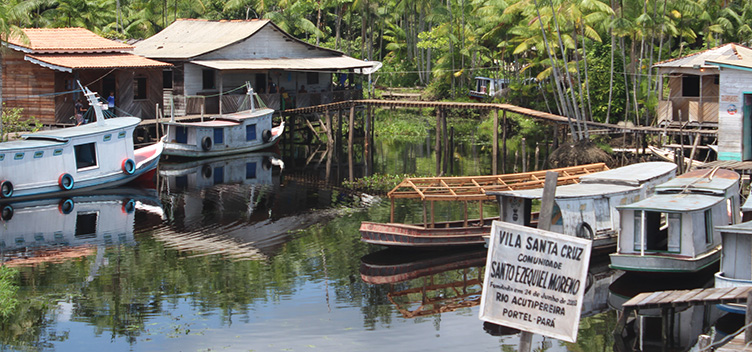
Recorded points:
(167,79)
(139,88)
(209,79)
(312,78)
(86,155)
(690,86)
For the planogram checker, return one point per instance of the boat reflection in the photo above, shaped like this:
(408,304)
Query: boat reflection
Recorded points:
(427,283)
(55,229)
(656,329)
(235,206)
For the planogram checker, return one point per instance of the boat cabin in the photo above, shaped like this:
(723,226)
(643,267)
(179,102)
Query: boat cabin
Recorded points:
(736,259)
(488,87)
(588,209)
(674,230)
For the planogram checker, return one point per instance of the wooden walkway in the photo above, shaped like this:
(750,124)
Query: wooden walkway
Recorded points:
(474,188)
(504,107)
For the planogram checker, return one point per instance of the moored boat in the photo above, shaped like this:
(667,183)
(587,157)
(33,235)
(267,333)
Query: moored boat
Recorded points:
(247,130)
(464,232)
(75,159)
(736,260)
(674,230)
(588,209)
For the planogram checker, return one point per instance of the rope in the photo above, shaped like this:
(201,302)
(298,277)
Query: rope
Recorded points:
(41,95)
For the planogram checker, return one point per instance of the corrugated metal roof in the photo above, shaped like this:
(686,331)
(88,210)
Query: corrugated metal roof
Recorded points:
(66,62)
(733,53)
(675,202)
(188,38)
(314,63)
(631,175)
(708,180)
(745,58)
(65,40)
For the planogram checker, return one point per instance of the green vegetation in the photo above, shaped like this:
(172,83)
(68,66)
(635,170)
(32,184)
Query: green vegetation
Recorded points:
(14,123)
(8,288)
(376,184)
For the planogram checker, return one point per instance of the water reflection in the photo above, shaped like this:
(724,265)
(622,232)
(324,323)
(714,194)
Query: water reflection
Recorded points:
(662,330)
(58,228)
(429,282)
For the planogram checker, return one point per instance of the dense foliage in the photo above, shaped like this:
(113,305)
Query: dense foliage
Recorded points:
(587,59)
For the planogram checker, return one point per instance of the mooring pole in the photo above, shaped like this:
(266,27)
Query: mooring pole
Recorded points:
(437,147)
(504,143)
(367,142)
(748,319)
(524,154)
(495,145)
(350,138)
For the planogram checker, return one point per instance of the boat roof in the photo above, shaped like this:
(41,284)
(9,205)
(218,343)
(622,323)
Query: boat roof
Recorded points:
(631,175)
(470,188)
(678,202)
(228,119)
(63,135)
(747,206)
(715,181)
(743,228)
(580,190)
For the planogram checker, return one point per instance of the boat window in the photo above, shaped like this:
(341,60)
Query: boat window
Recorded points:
(250,170)
(730,210)
(637,230)
(674,232)
(86,225)
(219,136)
(181,134)
(250,132)
(86,155)
(708,226)
(139,88)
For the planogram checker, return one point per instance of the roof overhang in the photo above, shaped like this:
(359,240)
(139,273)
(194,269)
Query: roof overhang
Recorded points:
(736,65)
(70,62)
(301,64)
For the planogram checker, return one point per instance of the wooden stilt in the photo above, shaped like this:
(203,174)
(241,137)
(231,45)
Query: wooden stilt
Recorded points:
(445,141)
(329,145)
(495,144)
(350,139)
(465,206)
(339,144)
(367,142)
(504,143)
(537,153)
(437,146)
(425,215)
(391,211)
(480,206)
(523,144)
(433,219)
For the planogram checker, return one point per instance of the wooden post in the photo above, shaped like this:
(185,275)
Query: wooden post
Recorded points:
(350,138)
(221,87)
(537,152)
(748,319)
(329,145)
(437,146)
(544,223)
(523,146)
(156,126)
(495,144)
(391,211)
(504,143)
(433,219)
(450,151)
(339,144)
(444,138)
(692,153)
(425,216)
(367,141)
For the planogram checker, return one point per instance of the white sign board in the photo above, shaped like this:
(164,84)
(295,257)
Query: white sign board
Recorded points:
(535,280)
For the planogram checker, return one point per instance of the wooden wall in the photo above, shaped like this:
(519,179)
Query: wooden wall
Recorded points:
(24,82)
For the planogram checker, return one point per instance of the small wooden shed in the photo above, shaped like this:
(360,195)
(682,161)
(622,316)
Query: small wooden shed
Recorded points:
(213,60)
(41,70)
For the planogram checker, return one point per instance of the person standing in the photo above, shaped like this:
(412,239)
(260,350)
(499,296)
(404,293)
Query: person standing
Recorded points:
(79,111)
(111,101)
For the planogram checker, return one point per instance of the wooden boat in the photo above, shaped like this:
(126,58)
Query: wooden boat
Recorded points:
(588,209)
(674,230)
(75,159)
(458,189)
(241,132)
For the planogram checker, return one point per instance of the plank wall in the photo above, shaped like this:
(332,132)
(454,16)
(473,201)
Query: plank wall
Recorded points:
(23,83)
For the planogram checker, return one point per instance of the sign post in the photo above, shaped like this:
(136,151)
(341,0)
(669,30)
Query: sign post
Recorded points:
(535,280)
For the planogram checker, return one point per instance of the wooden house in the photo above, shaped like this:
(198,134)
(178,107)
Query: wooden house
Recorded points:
(41,70)
(212,60)
(734,103)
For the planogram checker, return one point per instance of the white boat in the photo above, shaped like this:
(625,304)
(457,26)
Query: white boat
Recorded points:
(736,260)
(75,159)
(244,131)
(588,209)
(675,230)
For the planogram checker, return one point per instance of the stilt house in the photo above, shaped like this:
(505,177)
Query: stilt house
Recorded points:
(40,73)
(212,60)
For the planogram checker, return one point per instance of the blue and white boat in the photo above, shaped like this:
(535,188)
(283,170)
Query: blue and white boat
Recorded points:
(75,159)
(240,132)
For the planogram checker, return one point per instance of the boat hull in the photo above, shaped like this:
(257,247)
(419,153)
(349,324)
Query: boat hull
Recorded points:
(664,263)
(404,235)
(723,281)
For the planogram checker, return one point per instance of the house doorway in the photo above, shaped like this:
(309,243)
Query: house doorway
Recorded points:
(109,86)
(747,127)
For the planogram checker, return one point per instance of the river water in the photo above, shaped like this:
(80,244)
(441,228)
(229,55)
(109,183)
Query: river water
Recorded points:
(240,254)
